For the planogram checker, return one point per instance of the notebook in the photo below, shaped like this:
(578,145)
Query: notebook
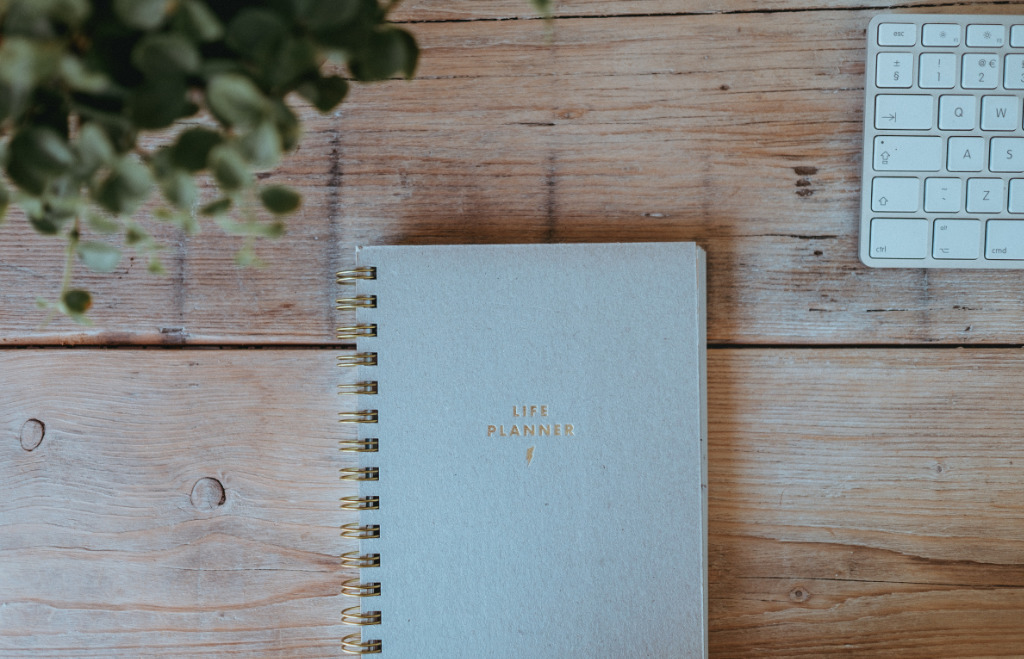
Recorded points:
(532,441)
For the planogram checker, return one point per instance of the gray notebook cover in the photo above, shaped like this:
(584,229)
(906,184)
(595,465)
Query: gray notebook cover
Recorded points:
(542,433)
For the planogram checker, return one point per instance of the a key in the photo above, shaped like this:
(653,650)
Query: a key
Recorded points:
(894,70)
(966,154)
(896,153)
(943,195)
(1006,154)
(1004,240)
(980,71)
(956,239)
(1000,113)
(957,112)
(937,71)
(904,111)
(899,239)
(896,194)
(985,195)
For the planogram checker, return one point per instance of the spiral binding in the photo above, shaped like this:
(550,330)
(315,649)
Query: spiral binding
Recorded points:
(356,616)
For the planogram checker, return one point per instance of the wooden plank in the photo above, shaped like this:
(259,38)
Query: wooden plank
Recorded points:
(861,502)
(179,504)
(624,128)
(866,502)
(468,10)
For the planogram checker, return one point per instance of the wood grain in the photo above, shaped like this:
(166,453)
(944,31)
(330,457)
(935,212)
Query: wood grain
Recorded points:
(738,130)
(862,503)
(179,504)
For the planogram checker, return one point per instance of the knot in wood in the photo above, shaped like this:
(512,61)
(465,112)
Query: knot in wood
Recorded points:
(32,432)
(208,494)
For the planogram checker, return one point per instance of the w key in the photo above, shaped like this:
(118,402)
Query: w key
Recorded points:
(904,112)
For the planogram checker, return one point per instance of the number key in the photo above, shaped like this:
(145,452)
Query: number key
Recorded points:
(1014,72)
(980,71)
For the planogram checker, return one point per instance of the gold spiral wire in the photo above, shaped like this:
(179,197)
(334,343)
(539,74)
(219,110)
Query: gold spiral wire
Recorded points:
(355,588)
(354,644)
(354,559)
(362,416)
(360,503)
(368,445)
(354,332)
(357,302)
(349,277)
(359,473)
(358,532)
(358,388)
(354,615)
(357,359)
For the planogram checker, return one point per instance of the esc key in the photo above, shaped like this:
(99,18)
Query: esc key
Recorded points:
(897,34)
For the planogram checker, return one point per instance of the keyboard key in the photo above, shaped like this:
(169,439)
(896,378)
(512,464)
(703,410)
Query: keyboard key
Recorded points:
(897,34)
(1000,113)
(1004,240)
(899,239)
(895,153)
(956,239)
(937,71)
(942,195)
(980,71)
(957,112)
(1014,77)
(1017,36)
(904,111)
(894,70)
(895,195)
(1006,154)
(966,154)
(985,195)
(1016,204)
(940,34)
(985,36)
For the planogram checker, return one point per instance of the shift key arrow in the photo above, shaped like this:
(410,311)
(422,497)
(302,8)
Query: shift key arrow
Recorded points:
(896,153)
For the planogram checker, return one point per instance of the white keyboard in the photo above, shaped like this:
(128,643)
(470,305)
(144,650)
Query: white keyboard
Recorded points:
(943,178)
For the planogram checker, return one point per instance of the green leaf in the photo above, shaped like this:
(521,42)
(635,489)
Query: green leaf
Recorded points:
(280,200)
(293,60)
(77,301)
(5,201)
(215,208)
(262,146)
(387,52)
(134,234)
(236,100)
(325,93)
(94,148)
(155,267)
(326,12)
(180,189)
(165,54)
(99,257)
(82,79)
(197,21)
(287,124)
(36,157)
(159,101)
(256,33)
(102,224)
(141,14)
(229,168)
(125,188)
(251,229)
(192,149)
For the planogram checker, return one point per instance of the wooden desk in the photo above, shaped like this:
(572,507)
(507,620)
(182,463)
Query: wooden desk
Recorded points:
(866,462)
